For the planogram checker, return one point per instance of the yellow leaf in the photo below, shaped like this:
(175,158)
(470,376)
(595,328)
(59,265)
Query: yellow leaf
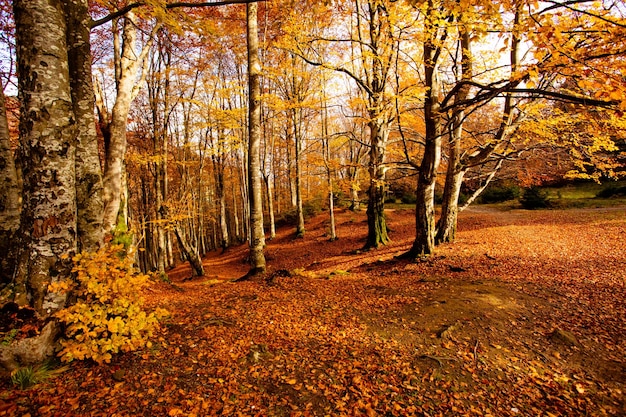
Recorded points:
(291,381)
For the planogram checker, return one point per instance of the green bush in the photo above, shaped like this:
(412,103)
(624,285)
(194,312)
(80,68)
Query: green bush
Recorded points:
(408,198)
(499,194)
(534,198)
(612,191)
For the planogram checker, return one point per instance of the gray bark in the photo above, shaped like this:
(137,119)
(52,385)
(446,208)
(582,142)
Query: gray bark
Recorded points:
(88,172)
(424,243)
(128,64)
(47,235)
(10,202)
(257,238)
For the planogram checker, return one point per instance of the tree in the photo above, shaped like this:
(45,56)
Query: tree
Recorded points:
(47,235)
(10,206)
(374,47)
(257,237)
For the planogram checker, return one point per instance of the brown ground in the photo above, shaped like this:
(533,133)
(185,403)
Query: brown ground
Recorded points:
(525,315)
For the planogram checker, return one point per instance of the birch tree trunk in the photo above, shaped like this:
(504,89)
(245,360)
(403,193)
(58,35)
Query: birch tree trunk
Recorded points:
(257,238)
(128,64)
(47,236)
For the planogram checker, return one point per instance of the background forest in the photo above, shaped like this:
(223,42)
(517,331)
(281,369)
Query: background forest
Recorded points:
(181,128)
(135,136)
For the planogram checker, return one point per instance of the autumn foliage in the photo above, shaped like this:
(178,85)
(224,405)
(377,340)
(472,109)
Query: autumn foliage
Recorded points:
(108,316)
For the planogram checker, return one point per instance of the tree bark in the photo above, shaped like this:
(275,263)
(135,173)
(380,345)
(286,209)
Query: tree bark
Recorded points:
(48,232)
(376,223)
(257,238)
(128,63)
(446,227)
(10,203)
(300,230)
(424,243)
(88,172)
(191,252)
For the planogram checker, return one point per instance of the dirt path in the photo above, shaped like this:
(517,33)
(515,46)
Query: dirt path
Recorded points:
(524,315)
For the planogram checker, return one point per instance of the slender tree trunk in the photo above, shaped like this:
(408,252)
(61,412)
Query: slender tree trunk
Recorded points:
(221,196)
(270,205)
(300,231)
(47,236)
(128,64)
(326,156)
(10,203)
(190,251)
(257,238)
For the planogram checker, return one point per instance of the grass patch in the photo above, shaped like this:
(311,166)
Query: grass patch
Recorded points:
(28,376)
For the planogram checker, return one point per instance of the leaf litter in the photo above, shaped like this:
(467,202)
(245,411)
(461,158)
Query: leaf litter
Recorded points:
(476,330)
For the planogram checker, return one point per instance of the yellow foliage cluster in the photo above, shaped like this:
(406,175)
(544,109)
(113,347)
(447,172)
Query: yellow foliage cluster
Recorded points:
(108,316)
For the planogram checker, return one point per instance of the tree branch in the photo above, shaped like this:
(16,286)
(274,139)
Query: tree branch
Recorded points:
(128,8)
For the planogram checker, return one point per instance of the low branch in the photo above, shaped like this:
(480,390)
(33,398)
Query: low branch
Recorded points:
(177,5)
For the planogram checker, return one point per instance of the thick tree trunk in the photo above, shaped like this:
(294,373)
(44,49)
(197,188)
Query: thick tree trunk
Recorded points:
(376,223)
(47,235)
(424,243)
(257,238)
(10,203)
(446,227)
(88,173)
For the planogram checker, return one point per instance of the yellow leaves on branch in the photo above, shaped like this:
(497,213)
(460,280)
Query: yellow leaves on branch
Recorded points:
(108,316)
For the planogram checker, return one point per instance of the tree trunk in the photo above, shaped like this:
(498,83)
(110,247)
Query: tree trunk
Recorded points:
(10,191)
(128,62)
(47,236)
(300,231)
(446,227)
(376,224)
(270,205)
(257,238)
(190,252)
(88,173)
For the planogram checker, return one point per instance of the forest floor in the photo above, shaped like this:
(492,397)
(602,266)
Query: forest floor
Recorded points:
(524,315)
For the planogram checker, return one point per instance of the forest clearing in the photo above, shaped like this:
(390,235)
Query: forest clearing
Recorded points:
(524,315)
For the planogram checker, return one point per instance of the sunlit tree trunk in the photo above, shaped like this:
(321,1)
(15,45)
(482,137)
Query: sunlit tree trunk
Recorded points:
(300,230)
(376,223)
(446,226)
(47,236)
(424,243)
(128,64)
(257,238)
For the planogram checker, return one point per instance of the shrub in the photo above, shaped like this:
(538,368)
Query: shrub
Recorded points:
(611,191)
(108,316)
(534,198)
(499,194)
